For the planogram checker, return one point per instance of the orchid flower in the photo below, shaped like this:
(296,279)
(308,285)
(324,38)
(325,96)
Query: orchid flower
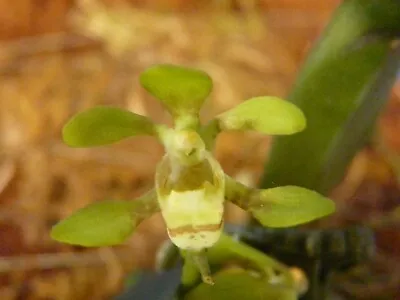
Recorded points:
(190,186)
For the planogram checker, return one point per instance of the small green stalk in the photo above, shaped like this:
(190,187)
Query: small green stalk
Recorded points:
(200,260)
(227,249)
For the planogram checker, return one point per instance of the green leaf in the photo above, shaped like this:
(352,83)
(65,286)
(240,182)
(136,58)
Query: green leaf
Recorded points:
(342,88)
(269,115)
(103,125)
(289,206)
(181,90)
(242,285)
(102,223)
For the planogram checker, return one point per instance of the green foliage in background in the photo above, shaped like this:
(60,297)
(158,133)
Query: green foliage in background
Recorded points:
(342,87)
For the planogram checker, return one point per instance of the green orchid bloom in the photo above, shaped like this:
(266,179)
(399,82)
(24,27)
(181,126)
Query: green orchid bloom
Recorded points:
(190,185)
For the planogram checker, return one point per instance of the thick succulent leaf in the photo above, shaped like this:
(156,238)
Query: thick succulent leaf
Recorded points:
(268,115)
(289,206)
(102,223)
(103,125)
(181,90)
(239,284)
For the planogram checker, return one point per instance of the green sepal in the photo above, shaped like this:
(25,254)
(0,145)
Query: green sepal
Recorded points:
(104,125)
(268,115)
(289,206)
(181,90)
(103,223)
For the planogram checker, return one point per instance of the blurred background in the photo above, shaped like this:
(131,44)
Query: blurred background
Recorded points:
(58,57)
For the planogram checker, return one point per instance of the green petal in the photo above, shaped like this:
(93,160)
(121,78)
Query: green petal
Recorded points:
(289,206)
(102,223)
(269,115)
(103,125)
(105,223)
(181,90)
(242,285)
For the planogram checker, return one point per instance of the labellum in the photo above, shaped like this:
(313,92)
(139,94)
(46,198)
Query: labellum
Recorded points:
(190,186)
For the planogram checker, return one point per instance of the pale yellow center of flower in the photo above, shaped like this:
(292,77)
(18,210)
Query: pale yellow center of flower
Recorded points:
(187,147)
(191,199)
(193,221)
